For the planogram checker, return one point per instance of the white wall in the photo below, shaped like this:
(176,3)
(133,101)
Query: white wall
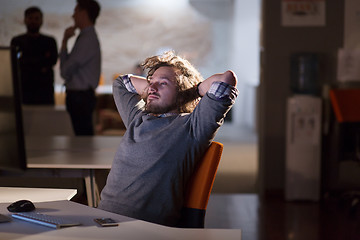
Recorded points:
(245,58)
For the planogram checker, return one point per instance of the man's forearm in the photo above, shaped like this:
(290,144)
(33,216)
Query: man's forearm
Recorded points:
(139,83)
(228,77)
(63,45)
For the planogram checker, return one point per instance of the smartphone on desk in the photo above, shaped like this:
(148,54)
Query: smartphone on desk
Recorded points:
(106,222)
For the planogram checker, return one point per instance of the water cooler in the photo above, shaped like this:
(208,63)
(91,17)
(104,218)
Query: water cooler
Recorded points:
(303,131)
(303,148)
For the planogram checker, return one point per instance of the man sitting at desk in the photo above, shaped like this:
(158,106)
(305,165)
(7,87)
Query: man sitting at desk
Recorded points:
(168,129)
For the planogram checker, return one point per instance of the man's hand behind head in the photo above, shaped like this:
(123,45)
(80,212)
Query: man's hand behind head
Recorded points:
(228,77)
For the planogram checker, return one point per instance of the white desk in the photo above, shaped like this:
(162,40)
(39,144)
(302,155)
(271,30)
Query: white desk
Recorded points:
(12,194)
(66,156)
(128,228)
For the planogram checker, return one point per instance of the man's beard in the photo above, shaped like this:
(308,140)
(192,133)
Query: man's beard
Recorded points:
(156,109)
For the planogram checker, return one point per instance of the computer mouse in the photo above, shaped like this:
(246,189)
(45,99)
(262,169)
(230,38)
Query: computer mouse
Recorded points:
(21,206)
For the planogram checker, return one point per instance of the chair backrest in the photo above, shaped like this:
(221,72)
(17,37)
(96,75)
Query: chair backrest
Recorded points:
(200,186)
(345,103)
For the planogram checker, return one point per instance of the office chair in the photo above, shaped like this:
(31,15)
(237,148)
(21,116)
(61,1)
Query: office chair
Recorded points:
(199,188)
(345,103)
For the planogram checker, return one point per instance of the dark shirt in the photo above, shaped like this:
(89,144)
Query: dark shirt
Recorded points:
(37,57)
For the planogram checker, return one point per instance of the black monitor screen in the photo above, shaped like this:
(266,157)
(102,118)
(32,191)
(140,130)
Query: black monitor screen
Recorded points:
(12,146)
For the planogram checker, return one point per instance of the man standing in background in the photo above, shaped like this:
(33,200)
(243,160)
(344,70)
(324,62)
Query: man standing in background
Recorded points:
(37,54)
(81,68)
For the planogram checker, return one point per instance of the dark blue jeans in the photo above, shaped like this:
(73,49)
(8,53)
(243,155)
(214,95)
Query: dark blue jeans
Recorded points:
(81,105)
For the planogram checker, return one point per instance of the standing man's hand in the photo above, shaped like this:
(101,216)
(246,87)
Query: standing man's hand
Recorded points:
(68,33)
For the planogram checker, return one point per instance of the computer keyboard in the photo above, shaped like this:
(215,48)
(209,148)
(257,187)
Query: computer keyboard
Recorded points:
(46,220)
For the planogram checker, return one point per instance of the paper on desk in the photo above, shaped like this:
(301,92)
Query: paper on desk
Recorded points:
(348,65)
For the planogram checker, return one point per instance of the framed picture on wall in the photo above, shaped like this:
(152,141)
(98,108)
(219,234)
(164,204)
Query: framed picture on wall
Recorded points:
(303,13)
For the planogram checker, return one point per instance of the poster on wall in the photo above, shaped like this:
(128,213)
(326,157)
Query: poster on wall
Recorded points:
(303,13)
(348,69)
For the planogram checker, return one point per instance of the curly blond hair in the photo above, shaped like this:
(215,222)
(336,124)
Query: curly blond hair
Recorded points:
(187,78)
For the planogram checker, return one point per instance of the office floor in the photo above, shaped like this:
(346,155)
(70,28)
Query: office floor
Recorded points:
(275,219)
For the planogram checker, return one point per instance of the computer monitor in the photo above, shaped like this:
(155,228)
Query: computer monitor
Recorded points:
(12,144)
